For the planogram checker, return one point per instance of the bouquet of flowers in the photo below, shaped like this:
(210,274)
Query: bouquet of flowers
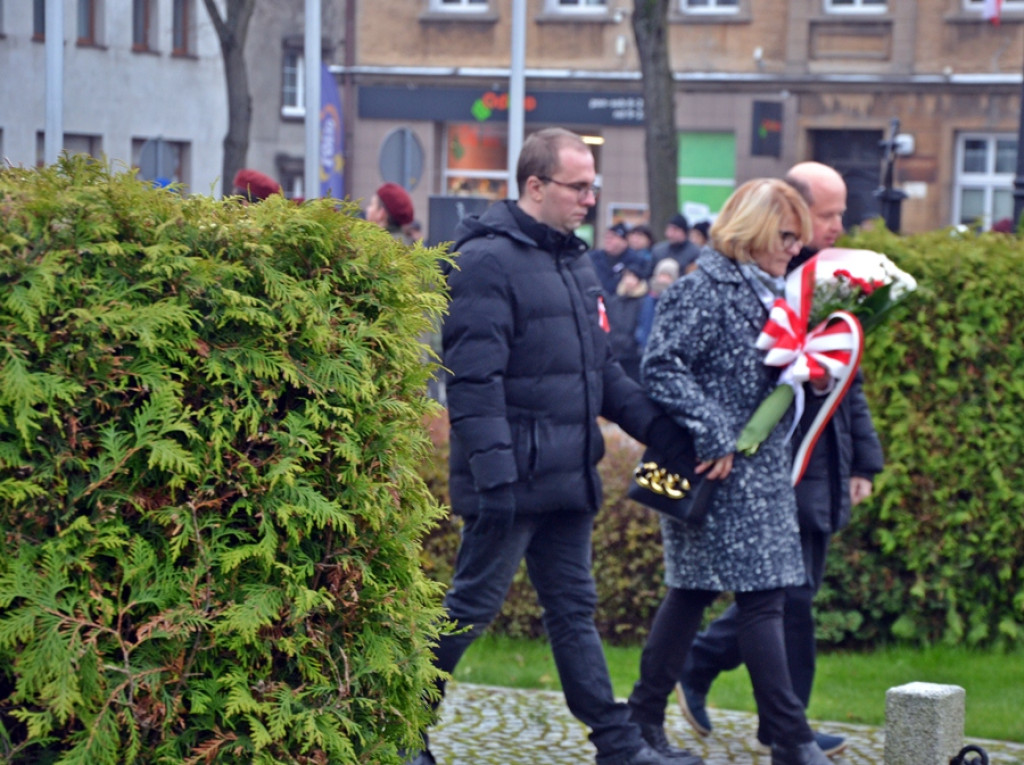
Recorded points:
(817,334)
(866,283)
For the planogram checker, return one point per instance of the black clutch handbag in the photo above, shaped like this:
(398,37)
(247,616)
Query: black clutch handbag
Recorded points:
(670,485)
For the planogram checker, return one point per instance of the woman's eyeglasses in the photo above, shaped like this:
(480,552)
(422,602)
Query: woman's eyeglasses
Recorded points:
(789,239)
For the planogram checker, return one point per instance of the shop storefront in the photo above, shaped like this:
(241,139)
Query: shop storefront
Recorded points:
(464,135)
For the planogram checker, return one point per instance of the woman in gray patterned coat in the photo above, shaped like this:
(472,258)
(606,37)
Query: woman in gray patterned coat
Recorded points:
(702,366)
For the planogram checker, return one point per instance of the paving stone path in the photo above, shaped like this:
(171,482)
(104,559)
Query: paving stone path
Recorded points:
(484,725)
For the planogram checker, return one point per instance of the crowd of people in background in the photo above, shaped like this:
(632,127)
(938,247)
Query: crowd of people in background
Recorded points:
(634,270)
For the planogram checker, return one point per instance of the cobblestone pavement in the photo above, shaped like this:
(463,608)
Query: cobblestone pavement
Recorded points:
(484,725)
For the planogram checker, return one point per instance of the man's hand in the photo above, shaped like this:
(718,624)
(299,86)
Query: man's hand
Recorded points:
(497,511)
(664,435)
(860,489)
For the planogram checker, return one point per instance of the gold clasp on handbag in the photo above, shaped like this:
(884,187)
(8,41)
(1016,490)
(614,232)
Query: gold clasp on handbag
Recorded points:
(648,475)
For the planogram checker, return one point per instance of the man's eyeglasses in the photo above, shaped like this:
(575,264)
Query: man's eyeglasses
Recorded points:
(582,189)
(789,239)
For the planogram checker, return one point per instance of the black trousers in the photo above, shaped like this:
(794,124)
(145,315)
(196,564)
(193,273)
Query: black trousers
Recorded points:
(717,649)
(761,645)
(557,550)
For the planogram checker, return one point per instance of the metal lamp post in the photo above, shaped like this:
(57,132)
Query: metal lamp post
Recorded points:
(890,197)
(1018,181)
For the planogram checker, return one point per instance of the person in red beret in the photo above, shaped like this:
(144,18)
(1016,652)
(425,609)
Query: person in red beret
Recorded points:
(391,208)
(254,185)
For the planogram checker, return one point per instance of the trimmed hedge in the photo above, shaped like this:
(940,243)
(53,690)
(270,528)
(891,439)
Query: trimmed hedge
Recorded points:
(935,554)
(209,522)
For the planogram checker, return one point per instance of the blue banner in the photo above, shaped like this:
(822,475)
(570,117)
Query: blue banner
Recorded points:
(332,158)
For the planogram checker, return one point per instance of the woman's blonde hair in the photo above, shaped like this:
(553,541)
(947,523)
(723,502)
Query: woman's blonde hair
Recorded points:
(751,219)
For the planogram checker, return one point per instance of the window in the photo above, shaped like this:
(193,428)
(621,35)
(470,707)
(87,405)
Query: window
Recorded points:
(856,6)
(290,172)
(709,6)
(985,167)
(459,5)
(707,170)
(477,158)
(87,22)
(38,19)
(161,161)
(1013,6)
(73,143)
(293,84)
(183,28)
(143,24)
(577,6)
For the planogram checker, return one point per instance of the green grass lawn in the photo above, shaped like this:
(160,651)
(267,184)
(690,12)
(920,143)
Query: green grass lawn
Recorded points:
(849,687)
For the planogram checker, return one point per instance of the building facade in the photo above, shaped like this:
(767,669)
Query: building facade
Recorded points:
(275,58)
(759,86)
(143,86)
(424,87)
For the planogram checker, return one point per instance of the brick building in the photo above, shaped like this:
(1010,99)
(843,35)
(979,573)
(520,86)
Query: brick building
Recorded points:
(759,86)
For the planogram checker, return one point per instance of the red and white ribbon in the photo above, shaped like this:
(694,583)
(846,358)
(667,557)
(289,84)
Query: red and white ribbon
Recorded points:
(839,346)
(832,349)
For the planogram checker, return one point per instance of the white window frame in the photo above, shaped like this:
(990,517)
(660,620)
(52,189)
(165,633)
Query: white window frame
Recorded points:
(856,6)
(460,6)
(987,181)
(577,7)
(715,7)
(298,108)
(977,6)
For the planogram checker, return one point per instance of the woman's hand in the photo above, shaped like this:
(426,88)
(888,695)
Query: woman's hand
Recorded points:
(716,469)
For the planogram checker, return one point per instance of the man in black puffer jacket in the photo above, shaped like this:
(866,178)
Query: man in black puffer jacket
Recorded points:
(531,371)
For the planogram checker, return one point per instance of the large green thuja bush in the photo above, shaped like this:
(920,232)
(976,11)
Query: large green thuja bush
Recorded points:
(209,519)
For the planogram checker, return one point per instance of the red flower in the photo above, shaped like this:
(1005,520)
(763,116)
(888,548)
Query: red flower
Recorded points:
(867,286)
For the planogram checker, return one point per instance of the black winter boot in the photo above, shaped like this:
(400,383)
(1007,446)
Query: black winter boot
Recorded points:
(655,737)
(647,755)
(801,754)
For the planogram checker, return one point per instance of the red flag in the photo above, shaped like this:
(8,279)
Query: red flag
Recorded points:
(602,315)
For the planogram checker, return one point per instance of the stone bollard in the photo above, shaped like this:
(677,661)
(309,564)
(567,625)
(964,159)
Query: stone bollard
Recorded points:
(924,723)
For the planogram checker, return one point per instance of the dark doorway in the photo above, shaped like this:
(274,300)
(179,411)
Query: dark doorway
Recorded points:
(857,156)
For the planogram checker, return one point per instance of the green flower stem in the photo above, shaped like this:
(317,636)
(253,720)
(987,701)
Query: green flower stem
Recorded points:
(764,419)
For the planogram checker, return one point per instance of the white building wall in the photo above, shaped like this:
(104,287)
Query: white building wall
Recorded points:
(114,93)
